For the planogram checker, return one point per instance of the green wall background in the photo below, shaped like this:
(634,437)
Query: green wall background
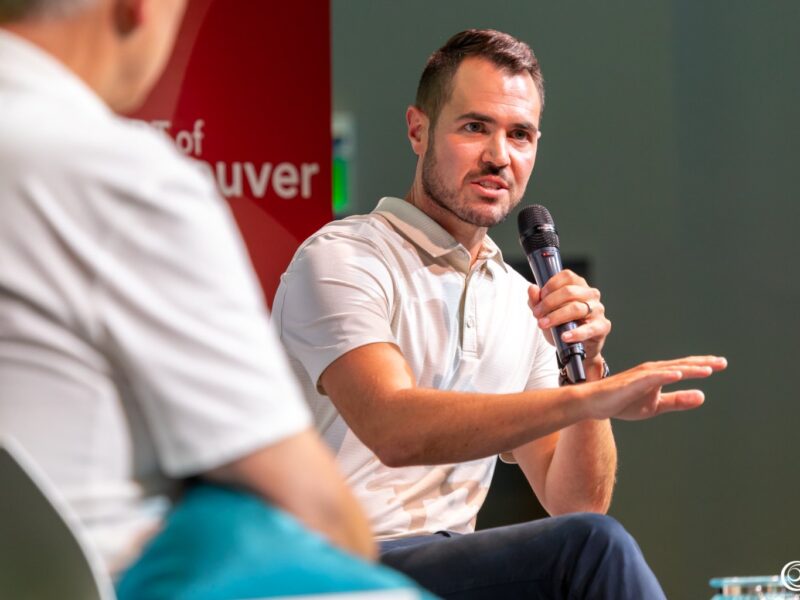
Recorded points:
(670,157)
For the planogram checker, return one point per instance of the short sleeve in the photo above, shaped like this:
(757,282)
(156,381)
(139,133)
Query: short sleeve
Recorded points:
(543,375)
(336,296)
(544,370)
(185,322)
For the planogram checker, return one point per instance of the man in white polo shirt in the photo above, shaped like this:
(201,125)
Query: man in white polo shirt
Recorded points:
(422,361)
(135,350)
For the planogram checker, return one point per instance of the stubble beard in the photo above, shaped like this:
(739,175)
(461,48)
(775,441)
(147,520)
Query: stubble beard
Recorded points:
(449,200)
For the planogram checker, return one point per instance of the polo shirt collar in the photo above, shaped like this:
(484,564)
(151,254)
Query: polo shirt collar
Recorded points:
(427,234)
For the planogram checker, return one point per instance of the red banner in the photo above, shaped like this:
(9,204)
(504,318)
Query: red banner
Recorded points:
(247,93)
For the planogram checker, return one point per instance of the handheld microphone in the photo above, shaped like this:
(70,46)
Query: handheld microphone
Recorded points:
(539,239)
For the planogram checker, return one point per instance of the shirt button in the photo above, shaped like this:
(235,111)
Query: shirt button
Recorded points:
(470,322)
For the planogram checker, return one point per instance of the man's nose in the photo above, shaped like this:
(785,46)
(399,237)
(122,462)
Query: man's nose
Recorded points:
(496,151)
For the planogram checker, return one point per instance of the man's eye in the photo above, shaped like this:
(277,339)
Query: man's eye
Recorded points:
(474,127)
(520,135)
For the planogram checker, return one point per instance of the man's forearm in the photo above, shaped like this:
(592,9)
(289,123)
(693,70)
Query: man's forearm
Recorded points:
(583,467)
(582,471)
(439,427)
(407,425)
(435,426)
(375,391)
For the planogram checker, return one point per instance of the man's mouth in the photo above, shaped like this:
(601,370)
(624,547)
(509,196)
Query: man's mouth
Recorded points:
(489,185)
(493,185)
(491,182)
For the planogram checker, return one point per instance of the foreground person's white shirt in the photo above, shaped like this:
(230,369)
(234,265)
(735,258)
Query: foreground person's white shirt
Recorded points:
(134,344)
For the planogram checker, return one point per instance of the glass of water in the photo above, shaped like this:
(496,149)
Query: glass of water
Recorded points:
(770,587)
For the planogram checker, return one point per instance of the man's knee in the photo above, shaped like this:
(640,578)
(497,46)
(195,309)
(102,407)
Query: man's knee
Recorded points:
(600,530)
(604,560)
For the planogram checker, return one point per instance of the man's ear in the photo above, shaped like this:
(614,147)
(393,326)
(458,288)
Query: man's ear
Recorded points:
(128,15)
(418,129)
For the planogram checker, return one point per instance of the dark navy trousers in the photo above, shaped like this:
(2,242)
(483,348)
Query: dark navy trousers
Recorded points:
(577,556)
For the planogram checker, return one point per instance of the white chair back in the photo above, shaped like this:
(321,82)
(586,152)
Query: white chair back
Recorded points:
(43,555)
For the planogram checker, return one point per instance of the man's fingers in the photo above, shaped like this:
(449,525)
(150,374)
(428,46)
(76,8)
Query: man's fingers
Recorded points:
(716,363)
(684,371)
(680,400)
(560,279)
(534,295)
(569,294)
(574,311)
(587,331)
(693,371)
(656,378)
(560,315)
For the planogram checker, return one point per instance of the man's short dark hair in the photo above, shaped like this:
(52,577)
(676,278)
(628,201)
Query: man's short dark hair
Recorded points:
(19,10)
(502,49)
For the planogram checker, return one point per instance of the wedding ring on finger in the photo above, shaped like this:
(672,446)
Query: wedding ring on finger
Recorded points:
(589,309)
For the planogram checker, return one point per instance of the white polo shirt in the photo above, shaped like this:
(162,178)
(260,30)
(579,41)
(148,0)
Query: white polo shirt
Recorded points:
(396,276)
(134,342)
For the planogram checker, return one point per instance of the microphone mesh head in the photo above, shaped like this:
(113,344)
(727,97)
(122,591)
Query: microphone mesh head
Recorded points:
(536,228)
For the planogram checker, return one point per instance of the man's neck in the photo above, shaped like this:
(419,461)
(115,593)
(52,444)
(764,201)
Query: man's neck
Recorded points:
(468,235)
(75,43)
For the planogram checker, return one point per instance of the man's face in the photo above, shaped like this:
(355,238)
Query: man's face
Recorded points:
(481,152)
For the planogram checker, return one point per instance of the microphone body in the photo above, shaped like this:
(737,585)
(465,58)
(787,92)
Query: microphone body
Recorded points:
(539,240)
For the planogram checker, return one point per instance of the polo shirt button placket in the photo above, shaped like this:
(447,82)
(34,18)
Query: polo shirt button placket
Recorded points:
(470,339)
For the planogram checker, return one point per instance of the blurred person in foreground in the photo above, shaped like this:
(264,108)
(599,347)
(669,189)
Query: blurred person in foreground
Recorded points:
(134,345)
(425,355)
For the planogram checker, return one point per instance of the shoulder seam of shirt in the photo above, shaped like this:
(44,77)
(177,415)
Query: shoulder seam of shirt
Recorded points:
(345,234)
(349,234)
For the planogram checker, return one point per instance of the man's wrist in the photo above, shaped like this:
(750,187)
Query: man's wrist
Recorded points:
(575,403)
(595,369)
